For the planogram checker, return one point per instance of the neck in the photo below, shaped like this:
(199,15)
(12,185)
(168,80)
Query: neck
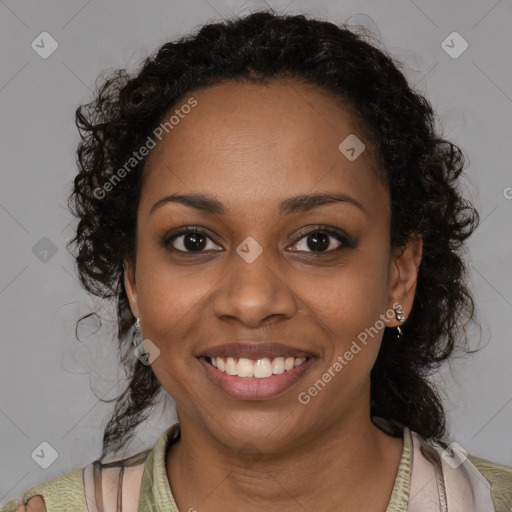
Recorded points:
(350,462)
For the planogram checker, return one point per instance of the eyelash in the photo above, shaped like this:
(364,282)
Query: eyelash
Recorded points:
(346,242)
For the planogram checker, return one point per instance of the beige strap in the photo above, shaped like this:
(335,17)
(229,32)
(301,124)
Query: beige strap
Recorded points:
(443,479)
(114,487)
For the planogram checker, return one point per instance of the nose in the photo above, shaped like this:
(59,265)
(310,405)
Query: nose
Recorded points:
(253,293)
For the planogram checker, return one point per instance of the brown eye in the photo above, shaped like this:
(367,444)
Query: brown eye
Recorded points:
(189,241)
(320,241)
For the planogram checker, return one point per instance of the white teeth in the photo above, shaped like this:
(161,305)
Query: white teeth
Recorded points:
(262,368)
(259,368)
(245,367)
(278,365)
(231,366)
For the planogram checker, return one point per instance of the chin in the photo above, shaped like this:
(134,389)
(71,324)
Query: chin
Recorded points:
(257,432)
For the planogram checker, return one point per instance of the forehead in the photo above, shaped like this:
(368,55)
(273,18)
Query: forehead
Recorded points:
(244,140)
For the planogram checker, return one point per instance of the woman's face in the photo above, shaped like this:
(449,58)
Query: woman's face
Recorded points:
(259,272)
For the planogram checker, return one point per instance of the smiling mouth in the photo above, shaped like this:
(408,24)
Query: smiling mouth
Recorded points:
(260,368)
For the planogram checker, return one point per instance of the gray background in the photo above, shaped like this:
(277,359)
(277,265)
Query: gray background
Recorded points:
(45,392)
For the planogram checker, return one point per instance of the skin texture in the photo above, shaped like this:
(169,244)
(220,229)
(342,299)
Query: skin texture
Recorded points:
(253,146)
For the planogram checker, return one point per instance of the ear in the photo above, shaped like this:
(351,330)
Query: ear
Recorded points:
(130,287)
(403,276)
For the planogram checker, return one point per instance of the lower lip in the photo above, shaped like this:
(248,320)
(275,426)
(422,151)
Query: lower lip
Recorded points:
(252,388)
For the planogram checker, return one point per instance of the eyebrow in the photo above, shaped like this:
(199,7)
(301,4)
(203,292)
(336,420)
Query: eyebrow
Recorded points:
(300,203)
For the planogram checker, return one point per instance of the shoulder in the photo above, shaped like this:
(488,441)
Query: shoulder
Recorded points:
(51,495)
(72,491)
(471,480)
(500,478)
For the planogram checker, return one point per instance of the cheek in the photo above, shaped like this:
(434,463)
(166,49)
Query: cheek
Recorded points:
(348,308)
(351,298)
(352,340)
(172,302)
(168,293)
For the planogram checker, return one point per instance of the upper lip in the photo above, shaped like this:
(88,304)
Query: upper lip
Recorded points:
(255,350)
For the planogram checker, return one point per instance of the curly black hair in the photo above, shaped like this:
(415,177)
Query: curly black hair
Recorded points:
(420,169)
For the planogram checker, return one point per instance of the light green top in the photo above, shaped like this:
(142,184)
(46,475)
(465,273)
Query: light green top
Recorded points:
(66,493)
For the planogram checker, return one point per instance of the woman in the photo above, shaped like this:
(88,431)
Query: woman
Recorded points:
(270,205)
